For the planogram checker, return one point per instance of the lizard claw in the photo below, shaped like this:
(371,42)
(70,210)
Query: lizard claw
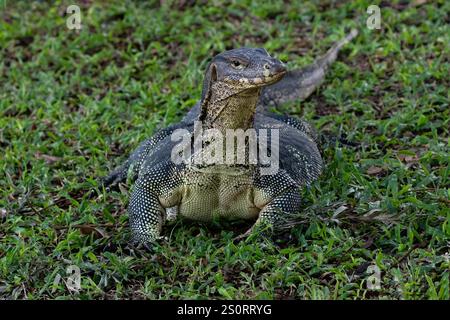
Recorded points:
(139,243)
(243,236)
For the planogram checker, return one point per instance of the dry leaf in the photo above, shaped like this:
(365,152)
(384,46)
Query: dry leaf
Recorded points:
(416,3)
(87,229)
(368,243)
(3,213)
(408,158)
(123,189)
(47,158)
(374,170)
(339,210)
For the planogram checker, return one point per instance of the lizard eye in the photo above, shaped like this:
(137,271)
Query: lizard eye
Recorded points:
(237,64)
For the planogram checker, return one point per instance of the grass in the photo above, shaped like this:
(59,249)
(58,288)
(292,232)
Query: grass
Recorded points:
(73,104)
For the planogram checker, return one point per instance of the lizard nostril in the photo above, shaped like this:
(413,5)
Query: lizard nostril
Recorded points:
(267,66)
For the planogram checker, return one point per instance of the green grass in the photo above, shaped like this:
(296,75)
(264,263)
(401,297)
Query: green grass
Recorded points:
(75,104)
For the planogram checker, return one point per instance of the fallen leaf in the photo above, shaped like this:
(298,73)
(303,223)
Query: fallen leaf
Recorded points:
(368,243)
(87,229)
(408,158)
(339,210)
(416,3)
(374,170)
(123,189)
(3,213)
(47,158)
(203,262)
(372,211)
(362,267)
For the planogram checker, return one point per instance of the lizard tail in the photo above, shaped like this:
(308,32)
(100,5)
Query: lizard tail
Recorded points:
(298,84)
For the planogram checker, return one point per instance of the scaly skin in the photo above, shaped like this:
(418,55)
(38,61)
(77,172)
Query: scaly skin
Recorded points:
(239,84)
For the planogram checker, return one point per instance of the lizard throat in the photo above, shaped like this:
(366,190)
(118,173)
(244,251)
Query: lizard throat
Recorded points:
(226,109)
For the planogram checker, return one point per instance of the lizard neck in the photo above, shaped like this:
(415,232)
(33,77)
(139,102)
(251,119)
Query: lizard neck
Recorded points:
(226,109)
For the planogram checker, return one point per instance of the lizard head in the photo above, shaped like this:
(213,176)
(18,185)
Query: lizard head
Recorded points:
(244,68)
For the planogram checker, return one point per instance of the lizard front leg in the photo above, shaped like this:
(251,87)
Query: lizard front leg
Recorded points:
(154,191)
(273,215)
(146,214)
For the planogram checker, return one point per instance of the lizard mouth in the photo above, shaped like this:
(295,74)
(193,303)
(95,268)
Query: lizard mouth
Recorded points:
(273,73)
(274,77)
(266,79)
(269,78)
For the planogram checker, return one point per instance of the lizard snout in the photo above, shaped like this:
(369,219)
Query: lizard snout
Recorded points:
(274,67)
